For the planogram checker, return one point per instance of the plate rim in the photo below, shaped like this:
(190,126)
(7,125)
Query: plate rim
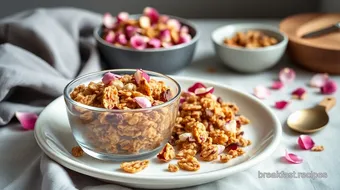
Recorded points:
(125,177)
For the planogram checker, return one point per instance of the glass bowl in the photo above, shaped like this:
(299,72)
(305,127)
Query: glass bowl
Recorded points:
(122,135)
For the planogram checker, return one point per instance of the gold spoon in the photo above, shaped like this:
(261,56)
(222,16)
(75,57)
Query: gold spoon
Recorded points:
(312,119)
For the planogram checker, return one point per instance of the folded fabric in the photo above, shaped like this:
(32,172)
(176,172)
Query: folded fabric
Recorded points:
(40,52)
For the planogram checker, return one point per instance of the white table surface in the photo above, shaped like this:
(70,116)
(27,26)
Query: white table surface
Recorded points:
(18,162)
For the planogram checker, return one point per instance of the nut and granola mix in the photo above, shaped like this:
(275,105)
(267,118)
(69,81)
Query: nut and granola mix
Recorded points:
(134,166)
(250,39)
(124,132)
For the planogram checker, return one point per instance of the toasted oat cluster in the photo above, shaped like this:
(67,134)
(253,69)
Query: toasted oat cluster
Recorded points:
(250,39)
(173,168)
(134,166)
(77,151)
(318,148)
(126,132)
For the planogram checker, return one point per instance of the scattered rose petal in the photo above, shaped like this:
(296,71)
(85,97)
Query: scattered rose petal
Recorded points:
(110,37)
(143,102)
(122,17)
(329,87)
(154,43)
(287,75)
(220,148)
(184,30)
(299,93)
(140,74)
(233,146)
(184,38)
(138,42)
(277,85)
(27,120)
(261,92)
(305,142)
(174,24)
(293,158)
(108,77)
(108,21)
(152,13)
(195,86)
(121,39)
(204,91)
(319,80)
(186,136)
(144,22)
(230,126)
(281,104)
(165,35)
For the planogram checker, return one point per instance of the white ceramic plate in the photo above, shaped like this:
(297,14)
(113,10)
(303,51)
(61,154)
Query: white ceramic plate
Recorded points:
(53,134)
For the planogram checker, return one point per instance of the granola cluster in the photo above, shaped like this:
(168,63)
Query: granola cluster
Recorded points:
(134,166)
(250,39)
(125,132)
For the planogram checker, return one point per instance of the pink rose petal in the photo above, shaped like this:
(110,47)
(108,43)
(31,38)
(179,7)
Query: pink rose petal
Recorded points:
(110,37)
(261,92)
(233,146)
(143,102)
(204,91)
(138,42)
(122,17)
(230,126)
(152,13)
(293,158)
(165,36)
(329,87)
(140,74)
(154,43)
(287,75)
(174,24)
(27,120)
(182,99)
(184,30)
(220,148)
(163,19)
(306,142)
(144,22)
(166,44)
(281,104)
(108,21)
(299,93)
(130,31)
(195,86)
(186,136)
(108,77)
(319,80)
(121,39)
(184,38)
(277,85)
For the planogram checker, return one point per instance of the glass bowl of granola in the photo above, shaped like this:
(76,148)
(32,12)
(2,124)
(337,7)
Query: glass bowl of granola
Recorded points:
(122,114)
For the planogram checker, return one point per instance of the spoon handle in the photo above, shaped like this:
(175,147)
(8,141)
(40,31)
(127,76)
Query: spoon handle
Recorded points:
(328,103)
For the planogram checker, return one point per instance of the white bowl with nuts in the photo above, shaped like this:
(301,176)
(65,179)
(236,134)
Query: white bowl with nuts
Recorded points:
(249,47)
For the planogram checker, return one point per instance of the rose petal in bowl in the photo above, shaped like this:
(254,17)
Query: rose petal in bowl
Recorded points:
(121,39)
(261,92)
(287,75)
(108,21)
(195,86)
(230,126)
(27,120)
(108,77)
(122,17)
(152,13)
(174,24)
(110,37)
(184,38)
(306,142)
(329,87)
(140,74)
(143,102)
(293,158)
(138,42)
(144,22)
(220,148)
(186,136)
(165,35)
(154,43)
(204,91)
(318,80)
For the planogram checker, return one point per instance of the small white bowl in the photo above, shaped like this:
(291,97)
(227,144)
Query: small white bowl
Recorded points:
(244,59)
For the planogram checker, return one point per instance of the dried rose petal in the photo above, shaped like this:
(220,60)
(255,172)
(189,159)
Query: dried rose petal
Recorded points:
(293,158)
(108,77)
(122,17)
(230,126)
(186,136)
(184,38)
(165,35)
(143,102)
(166,44)
(195,86)
(184,30)
(138,42)
(121,39)
(204,91)
(154,43)
(319,80)
(220,148)
(329,87)
(174,24)
(281,104)
(144,22)
(152,13)
(305,142)
(140,74)
(261,92)
(287,75)
(130,31)
(163,19)
(233,146)
(299,93)
(108,21)
(27,120)
(110,37)
(277,85)
(182,99)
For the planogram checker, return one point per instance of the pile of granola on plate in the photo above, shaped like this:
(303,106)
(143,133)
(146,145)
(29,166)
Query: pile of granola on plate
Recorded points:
(125,132)
(206,129)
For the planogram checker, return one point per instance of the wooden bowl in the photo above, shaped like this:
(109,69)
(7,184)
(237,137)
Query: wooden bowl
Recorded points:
(319,54)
